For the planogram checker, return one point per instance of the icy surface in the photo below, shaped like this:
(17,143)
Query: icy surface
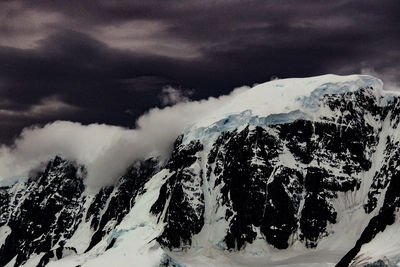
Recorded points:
(287,95)
(279,101)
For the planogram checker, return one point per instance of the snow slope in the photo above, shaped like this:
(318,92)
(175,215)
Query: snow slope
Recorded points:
(279,101)
(288,95)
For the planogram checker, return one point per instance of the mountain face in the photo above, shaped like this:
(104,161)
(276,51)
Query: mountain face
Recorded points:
(293,172)
(42,215)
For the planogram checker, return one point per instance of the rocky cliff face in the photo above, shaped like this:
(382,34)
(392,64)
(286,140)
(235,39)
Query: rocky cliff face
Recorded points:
(42,214)
(319,183)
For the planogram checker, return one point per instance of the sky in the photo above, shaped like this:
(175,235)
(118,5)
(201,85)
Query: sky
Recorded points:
(111,61)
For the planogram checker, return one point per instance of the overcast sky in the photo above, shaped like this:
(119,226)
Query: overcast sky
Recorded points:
(110,61)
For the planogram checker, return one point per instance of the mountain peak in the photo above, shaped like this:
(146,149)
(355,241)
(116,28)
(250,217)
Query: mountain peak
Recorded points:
(281,101)
(287,95)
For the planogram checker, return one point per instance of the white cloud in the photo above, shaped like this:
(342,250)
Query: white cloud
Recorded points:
(170,95)
(105,150)
(146,36)
(390,77)
(25,27)
(47,106)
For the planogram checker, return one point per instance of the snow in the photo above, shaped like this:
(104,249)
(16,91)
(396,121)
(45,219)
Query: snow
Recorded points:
(4,232)
(135,237)
(81,238)
(279,101)
(11,262)
(385,245)
(286,95)
(259,254)
(33,260)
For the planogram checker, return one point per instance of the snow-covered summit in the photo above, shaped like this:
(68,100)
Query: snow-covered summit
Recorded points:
(280,101)
(288,95)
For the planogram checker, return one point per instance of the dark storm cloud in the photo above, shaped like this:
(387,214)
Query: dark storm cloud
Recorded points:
(108,61)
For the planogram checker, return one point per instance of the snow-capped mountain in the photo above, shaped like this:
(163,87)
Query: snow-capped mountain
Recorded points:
(293,172)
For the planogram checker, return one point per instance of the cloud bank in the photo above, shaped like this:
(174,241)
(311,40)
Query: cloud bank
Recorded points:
(106,151)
